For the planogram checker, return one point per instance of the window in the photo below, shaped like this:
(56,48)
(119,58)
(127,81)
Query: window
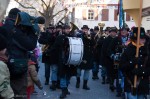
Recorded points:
(116,15)
(90,15)
(105,14)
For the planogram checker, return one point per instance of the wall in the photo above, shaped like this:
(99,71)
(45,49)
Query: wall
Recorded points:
(91,23)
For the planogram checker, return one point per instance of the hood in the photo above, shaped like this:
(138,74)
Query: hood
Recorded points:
(23,18)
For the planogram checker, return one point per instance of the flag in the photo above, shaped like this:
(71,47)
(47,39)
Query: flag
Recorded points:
(121,14)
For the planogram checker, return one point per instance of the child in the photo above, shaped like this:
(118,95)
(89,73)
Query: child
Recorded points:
(6,91)
(32,78)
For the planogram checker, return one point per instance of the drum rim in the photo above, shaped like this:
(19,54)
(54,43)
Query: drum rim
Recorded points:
(82,49)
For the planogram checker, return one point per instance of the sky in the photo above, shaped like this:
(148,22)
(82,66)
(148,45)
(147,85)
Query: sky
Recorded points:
(11,5)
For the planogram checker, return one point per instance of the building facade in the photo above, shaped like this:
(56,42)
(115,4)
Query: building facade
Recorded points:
(146,15)
(92,12)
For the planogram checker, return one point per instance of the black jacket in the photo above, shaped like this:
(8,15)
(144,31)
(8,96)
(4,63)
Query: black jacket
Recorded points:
(48,39)
(105,58)
(58,48)
(98,48)
(20,41)
(87,53)
(127,65)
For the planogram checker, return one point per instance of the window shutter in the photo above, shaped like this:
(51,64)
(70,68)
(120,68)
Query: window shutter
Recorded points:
(105,14)
(115,15)
(84,16)
(96,14)
(127,17)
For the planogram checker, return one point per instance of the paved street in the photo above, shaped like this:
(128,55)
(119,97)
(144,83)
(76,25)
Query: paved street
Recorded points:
(98,91)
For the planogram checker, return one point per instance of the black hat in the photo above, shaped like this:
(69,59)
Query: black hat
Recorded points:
(66,27)
(113,29)
(51,27)
(96,28)
(85,27)
(3,42)
(13,13)
(125,27)
(91,30)
(107,29)
(59,26)
(134,34)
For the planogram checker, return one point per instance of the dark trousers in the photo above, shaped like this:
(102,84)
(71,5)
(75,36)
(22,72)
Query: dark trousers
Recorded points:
(19,86)
(95,68)
(47,70)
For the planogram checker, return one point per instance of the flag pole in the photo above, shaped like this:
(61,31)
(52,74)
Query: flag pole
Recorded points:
(138,40)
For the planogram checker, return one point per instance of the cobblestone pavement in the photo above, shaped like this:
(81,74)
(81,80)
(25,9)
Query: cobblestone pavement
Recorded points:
(98,91)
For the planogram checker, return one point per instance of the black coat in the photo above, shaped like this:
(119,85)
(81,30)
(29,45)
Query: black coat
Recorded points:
(88,53)
(108,50)
(105,57)
(20,41)
(48,39)
(98,49)
(58,49)
(127,66)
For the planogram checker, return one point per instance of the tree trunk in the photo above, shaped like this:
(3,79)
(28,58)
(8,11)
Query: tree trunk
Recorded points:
(3,7)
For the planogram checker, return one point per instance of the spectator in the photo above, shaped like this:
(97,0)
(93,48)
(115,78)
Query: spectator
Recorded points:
(6,91)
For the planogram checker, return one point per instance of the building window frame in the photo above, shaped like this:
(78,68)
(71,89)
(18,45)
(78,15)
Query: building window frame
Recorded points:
(90,14)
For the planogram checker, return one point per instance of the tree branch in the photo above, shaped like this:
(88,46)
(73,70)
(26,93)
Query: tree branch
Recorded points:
(31,7)
(59,12)
(64,16)
(44,3)
(24,6)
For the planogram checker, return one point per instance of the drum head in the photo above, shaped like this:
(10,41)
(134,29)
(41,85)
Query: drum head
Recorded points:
(74,50)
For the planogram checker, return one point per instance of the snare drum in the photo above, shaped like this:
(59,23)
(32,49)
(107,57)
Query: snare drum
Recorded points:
(75,51)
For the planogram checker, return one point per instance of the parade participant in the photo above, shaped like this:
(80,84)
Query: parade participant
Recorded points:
(95,68)
(50,59)
(100,44)
(6,91)
(64,71)
(120,47)
(107,53)
(128,62)
(87,60)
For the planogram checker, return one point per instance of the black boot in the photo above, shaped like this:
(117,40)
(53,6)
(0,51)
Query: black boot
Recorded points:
(63,94)
(47,81)
(67,92)
(107,80)
(103,80)
(111,85)
(53,86)
(78,82)
(58,84)
(95,76)
(85,85)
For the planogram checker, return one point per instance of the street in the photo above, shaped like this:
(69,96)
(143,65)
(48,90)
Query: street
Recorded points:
(98,91)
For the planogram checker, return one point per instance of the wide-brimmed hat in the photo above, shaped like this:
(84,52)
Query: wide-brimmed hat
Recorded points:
(113,29)
(85,27)
(66,27)
(96,28)
(107,28)
(134,33)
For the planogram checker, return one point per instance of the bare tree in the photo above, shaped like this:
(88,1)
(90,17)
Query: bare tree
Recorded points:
(3,7)
(45,8)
